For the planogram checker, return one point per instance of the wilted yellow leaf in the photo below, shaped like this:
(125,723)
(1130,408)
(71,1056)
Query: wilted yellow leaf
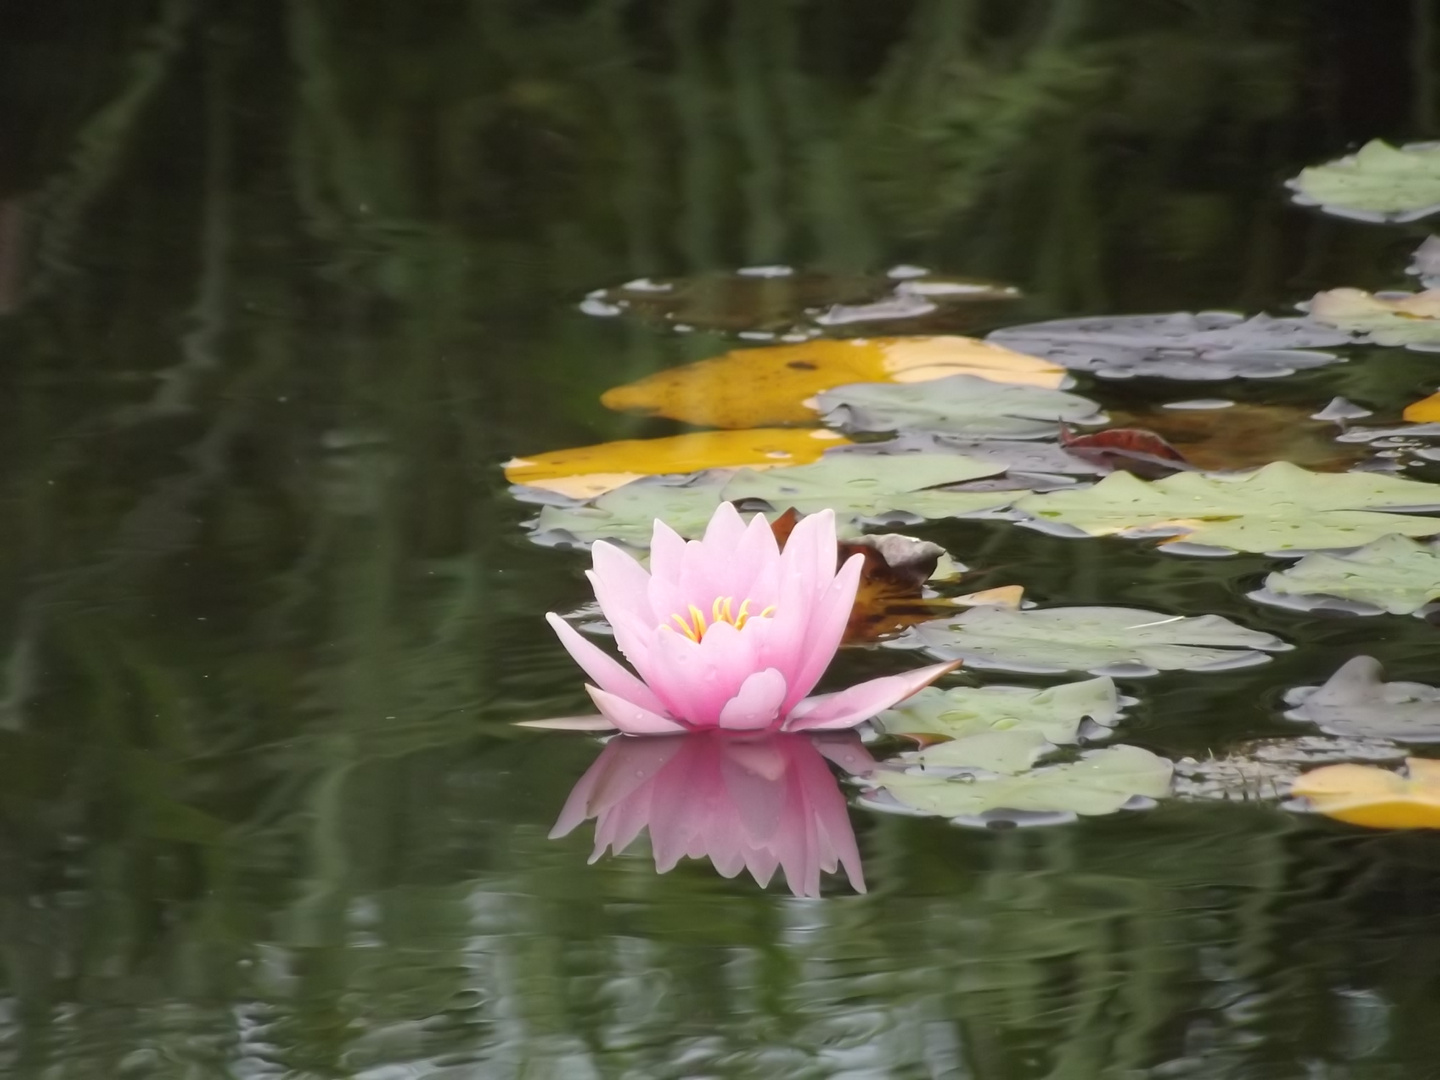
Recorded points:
(1375,797)
(587,471)
(755,387)
(1006,596)
(1424,411)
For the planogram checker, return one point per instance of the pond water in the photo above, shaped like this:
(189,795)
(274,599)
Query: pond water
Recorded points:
(281,289)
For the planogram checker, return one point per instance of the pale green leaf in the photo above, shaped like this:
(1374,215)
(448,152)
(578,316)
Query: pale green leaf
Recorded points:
(962,405)
(1392,574)
(1377,183)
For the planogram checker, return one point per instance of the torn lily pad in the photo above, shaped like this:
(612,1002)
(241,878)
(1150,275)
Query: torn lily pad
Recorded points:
(962,405)
(1399,318)
(1058,713)
(1263,770)
(935,783)
(1393,574)
(1357,702)
(1208,346)
(1281,507)
(1117,641)
(1379,183)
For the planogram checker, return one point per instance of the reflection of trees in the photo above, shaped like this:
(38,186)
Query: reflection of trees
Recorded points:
(294,280)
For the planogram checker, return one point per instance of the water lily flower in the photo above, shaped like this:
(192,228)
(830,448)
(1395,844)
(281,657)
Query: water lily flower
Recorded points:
(729,632)
(742,801)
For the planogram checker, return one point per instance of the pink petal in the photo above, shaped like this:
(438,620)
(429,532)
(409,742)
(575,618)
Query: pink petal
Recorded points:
(724,531)
(845,750)
(756,704)
(833,836)
(849,707)
(830,616)
(622,587)
(667,562)
(631,718)
(569,723)
(609,674)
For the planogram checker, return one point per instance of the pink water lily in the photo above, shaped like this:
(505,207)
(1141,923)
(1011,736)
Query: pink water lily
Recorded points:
(760,803)
(729,632)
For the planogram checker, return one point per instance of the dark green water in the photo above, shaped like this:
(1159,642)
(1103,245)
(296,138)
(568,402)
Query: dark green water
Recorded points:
(280,287)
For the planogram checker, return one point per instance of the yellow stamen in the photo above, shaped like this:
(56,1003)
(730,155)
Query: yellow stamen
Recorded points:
(722,609)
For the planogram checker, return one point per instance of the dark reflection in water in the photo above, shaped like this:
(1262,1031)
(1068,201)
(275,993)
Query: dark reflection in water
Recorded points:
(754,804)
(280,287)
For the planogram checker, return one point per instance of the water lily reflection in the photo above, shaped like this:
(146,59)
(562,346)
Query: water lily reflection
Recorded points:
(743,802)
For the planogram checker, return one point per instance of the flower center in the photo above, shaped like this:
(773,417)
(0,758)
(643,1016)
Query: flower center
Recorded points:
(723,610)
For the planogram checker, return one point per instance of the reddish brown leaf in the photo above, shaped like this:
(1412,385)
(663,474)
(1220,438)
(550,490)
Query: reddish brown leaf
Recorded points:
(1134,450)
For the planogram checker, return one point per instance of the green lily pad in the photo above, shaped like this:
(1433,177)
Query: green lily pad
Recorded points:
(1101,782)
(1377,183)
(873,487)
(1387,318)
(958,405)
(1114,641)
(1207,346)
(627,514)
(1356,702)
(1056,713)
(1281,507)
(1392,574)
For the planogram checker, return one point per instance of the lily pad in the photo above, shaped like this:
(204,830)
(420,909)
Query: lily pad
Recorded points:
(760,387)
(1281,507)
(627,514)
(1115,641)
(872,487)
(1208,346)
(587,471)
(1056,713)
(1424,411)
(1376,798)
(958,405)
(1356,702)
(1393,574)
(1101,782)
(1408,319)
(782,302)
(1264,770)
(1425,263)
(1377,183)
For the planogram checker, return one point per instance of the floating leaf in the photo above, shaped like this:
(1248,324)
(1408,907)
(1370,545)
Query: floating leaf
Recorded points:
(1115,641)
(1264,769)
(763,386)
(872,487)
(1245,436)
(1101,782)
(587,471)
(1056,713)
(1392,574)
(958,405)
(1356,702)
(776,300)
(1425,263)
(1376,798)
(1281,507)
(1377,183)
(859,487)
(1409,319)
(1207,346)
(1133,450)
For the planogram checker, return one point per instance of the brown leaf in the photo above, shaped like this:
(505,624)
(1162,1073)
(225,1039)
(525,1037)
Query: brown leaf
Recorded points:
(1134,450)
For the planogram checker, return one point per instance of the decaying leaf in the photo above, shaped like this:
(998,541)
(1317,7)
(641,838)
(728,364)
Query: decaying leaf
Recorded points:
(1424,411)
(1246,435)
(1262,770)
(1377,183)
(1357,702)
(1117,641)
(1281,507)
(1376,798)
(961,405)
(1207,346)
(1409,319)
(1393,574)
(1132,450)
(587,471)
(758,387)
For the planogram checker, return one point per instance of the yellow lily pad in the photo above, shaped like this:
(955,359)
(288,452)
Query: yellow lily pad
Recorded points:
(1409,319)
(1424,411)
(585,472)
(1376,798)
(750,388)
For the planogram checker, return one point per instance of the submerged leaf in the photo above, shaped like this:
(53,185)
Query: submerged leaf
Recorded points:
(763,386)
(1392,574)
(1210,345)
(1057,713)
(1101,782)
(1356,702)
(1264,769)
(1376,798)
(1281,507)
(1116,641)
(1377,183)
(587,471)
(958,405)
(1246,435)
(1409,319)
